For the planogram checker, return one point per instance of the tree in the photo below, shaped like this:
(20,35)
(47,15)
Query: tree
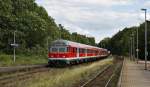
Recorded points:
(119,44)
(34,27)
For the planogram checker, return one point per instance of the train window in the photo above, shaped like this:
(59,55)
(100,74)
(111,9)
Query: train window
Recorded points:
(68,49)
(95,51)
(71,49)
(62,50)
(80,50)
(89,51)
(49,49)
(83,50)
(74,50)
(54,50)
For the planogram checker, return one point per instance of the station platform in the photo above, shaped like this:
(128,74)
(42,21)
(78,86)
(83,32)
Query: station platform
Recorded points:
(134,75)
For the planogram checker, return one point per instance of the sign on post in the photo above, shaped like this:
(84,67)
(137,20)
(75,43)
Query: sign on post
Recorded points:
(137,50)
(14,45)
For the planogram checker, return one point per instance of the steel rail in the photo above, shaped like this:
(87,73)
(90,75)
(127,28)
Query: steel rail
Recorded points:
(110,79)
(120,79)
(6,80)
(4,70)
(90,80)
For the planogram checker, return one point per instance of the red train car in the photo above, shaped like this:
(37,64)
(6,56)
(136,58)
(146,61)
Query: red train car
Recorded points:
(68,52)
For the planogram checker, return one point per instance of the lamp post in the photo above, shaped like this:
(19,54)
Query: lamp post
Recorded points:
(146,53)
(131,48)
(137,46)
(14,46)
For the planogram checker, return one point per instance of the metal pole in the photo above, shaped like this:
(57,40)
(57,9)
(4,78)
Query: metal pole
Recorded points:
(47,46)
(14,46)
(146,53)
(137,48)
(131,47)
(129,50)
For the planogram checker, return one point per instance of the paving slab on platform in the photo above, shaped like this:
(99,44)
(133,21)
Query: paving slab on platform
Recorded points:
(134,75)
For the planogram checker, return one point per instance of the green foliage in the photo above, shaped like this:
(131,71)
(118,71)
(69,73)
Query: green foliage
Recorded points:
(105,43)
(34,28)
(7,60)
(83,39)
(120,43)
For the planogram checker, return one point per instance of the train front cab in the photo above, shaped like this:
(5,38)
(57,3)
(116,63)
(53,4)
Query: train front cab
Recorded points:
(57,55)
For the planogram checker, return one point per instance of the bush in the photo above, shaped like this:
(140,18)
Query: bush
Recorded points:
(7,60)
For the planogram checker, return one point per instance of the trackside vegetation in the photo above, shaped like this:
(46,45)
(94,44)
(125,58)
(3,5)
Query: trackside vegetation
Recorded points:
(7,60)
(65,77)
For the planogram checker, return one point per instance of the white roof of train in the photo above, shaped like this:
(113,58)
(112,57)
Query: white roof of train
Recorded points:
(75,44)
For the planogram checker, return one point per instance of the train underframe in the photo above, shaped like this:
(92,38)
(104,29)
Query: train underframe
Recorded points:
(65,61)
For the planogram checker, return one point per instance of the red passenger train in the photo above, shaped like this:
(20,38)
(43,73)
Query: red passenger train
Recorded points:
(68,52)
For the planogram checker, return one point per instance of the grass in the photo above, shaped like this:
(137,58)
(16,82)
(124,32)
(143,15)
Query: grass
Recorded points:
(7,60)
(65,77)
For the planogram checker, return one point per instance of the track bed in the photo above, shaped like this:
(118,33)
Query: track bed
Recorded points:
(52,76)
(107,77)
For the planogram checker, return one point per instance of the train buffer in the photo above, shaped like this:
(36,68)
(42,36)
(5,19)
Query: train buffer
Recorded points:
(134,75)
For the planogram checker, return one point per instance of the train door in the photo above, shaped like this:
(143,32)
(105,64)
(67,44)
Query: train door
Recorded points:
(77,52)
(86,52)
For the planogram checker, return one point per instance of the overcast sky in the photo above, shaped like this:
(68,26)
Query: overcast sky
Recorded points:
(97,18)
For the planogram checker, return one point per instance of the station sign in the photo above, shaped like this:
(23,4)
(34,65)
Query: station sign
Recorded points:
(14,45)
(137,50)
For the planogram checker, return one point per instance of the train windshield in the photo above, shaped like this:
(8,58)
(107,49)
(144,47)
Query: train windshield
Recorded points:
(58,49)
(62,50)
(54,50)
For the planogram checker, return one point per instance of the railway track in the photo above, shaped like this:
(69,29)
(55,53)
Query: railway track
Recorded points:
(9,80)
(9,75)
(104,77)
(90,82)
(4,70)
